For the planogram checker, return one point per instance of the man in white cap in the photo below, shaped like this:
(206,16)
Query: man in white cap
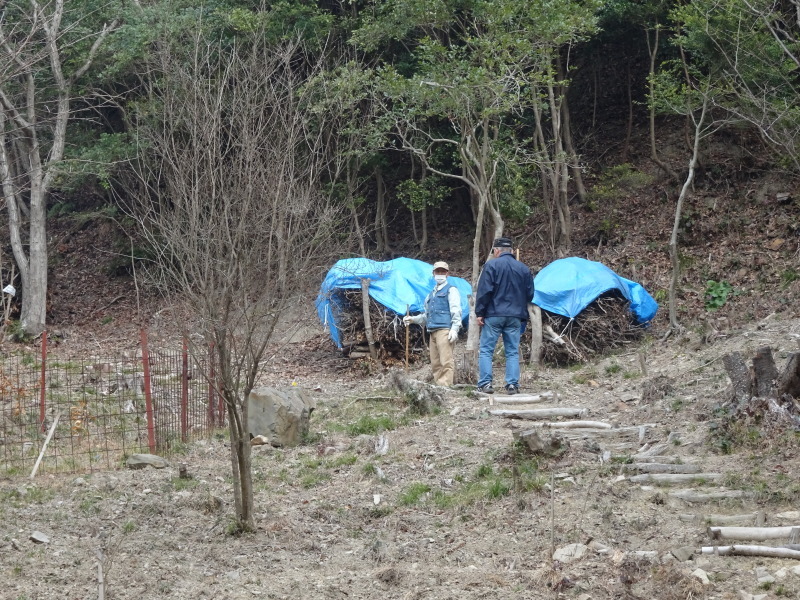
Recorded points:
(442,319)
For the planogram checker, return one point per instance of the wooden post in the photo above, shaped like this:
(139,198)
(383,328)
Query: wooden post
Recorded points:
(43,381)
(44,446)
(535,316)
(148,397)
(408,326)
(367,323)
(101,580)
(643,361)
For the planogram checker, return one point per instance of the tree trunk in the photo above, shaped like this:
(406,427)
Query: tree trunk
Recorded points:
(653,49)
(561,171)
(367,323)
(629,127)
(34,298)
(240,463)
(381,208)
(673,240)
(574,162)
(357,227)
(423,218)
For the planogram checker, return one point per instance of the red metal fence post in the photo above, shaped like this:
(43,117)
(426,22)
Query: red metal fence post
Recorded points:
(42,382)
(185,391)
(148,398)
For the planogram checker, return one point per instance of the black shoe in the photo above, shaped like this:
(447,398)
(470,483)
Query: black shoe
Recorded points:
(486,388)
(512,389)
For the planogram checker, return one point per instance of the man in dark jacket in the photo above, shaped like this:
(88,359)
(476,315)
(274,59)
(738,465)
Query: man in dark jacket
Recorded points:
(501,305)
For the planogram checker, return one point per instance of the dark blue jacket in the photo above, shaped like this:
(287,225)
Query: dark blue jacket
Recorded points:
(504,289)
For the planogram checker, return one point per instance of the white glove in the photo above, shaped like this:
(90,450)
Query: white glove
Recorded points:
(453,335)
(407,320)
(415,319)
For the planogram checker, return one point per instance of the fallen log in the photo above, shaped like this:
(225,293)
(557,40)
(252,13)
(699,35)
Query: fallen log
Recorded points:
(650,452)
(770,551)
(661,468)
(524,398)
(695,496)
(755,534)
(638,458)
(674,477)
(636,432)
(756,517)
(539,413)
(578,425)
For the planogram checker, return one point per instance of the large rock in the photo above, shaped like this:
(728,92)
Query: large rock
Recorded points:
(281,415)
(140,461)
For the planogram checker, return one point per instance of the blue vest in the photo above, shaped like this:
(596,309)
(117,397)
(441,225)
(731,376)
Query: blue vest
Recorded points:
(437,309)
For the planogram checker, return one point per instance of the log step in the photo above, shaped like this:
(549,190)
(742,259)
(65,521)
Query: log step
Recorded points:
(774,552)
(692,496)
(662,468)
(540,413)
(637,432)
(670,478)
(756,518)
(637,458)
(756,534)
(524,398)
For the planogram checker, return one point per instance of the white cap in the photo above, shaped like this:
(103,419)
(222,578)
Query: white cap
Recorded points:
(440,265)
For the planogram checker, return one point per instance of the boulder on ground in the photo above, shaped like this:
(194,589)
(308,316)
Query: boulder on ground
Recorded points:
(281,415)
(140,461)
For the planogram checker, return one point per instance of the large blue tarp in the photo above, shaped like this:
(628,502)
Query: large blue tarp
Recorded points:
(568,285)
(393,283)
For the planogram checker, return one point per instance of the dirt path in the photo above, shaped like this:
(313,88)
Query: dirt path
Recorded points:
(453,510)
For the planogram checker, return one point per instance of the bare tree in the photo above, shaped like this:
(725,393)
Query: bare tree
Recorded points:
(230,199)
(40,63)
(695,99)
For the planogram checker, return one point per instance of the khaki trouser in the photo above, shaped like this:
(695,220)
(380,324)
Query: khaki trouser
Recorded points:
(442,361)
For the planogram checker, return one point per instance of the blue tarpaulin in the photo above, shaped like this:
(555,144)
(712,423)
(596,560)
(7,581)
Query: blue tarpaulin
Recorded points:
(568,285)
(394,284)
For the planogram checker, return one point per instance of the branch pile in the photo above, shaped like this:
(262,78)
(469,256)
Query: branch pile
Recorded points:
(605,324)
(388,330)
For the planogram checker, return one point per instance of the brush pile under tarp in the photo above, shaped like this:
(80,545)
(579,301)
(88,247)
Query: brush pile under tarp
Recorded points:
(388,330)
(606,324)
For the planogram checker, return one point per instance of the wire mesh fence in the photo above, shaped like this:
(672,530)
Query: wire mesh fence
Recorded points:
(81,414)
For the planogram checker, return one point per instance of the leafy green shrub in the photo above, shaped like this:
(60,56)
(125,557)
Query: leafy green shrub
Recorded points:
(413,493)
(369,425)
(717,293)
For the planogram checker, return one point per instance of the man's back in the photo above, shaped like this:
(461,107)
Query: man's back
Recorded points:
(504,289)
